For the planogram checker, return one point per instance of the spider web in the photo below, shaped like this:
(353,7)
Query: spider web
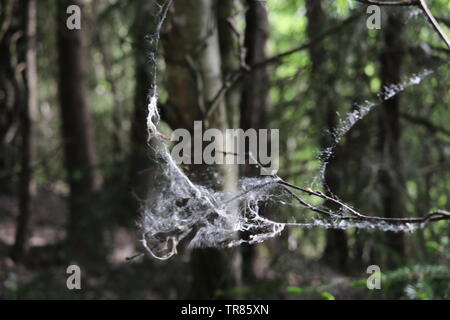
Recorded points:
(179,209)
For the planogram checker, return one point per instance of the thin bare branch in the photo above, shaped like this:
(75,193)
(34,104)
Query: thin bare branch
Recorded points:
(237,76)
(433,216)
(423,5)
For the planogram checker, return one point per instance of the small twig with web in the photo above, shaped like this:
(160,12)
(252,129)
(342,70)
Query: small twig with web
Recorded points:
(153,99)
(433,216)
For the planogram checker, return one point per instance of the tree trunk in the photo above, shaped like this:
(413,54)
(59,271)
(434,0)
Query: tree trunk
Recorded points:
(140,164)
(336,249)
(28,107)
(194,75)
(255,106)
(229,13)
(392,185)
(84,234)
(11,93)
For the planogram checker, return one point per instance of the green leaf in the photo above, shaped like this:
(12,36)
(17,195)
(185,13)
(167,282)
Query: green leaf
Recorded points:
(294,290)
(327,296)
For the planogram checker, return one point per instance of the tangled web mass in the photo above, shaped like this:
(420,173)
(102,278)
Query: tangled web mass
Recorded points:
(179,209)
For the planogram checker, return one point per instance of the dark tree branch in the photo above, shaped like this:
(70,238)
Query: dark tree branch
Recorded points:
(332,30)
(233,78)
(426,123)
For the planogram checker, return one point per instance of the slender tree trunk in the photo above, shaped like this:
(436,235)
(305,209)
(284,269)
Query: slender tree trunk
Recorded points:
(391,178)
(229,14)
(255,100)
(336,249)
(28,108)
(357,147)
(140,164)
(193,57)
(85,237)
(10,93)
(255,106)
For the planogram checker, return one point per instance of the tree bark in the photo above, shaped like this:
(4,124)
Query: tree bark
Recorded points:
(194,77)
(392,184)
(229,14)
(255,106)
(84,234)
(10,93)
(336,248)
(28,107)
(140,164)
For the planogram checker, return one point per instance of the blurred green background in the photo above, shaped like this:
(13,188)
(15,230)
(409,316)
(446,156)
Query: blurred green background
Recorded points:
(74,160)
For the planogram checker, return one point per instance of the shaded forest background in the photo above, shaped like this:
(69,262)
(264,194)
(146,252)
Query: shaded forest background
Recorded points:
(75,165)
